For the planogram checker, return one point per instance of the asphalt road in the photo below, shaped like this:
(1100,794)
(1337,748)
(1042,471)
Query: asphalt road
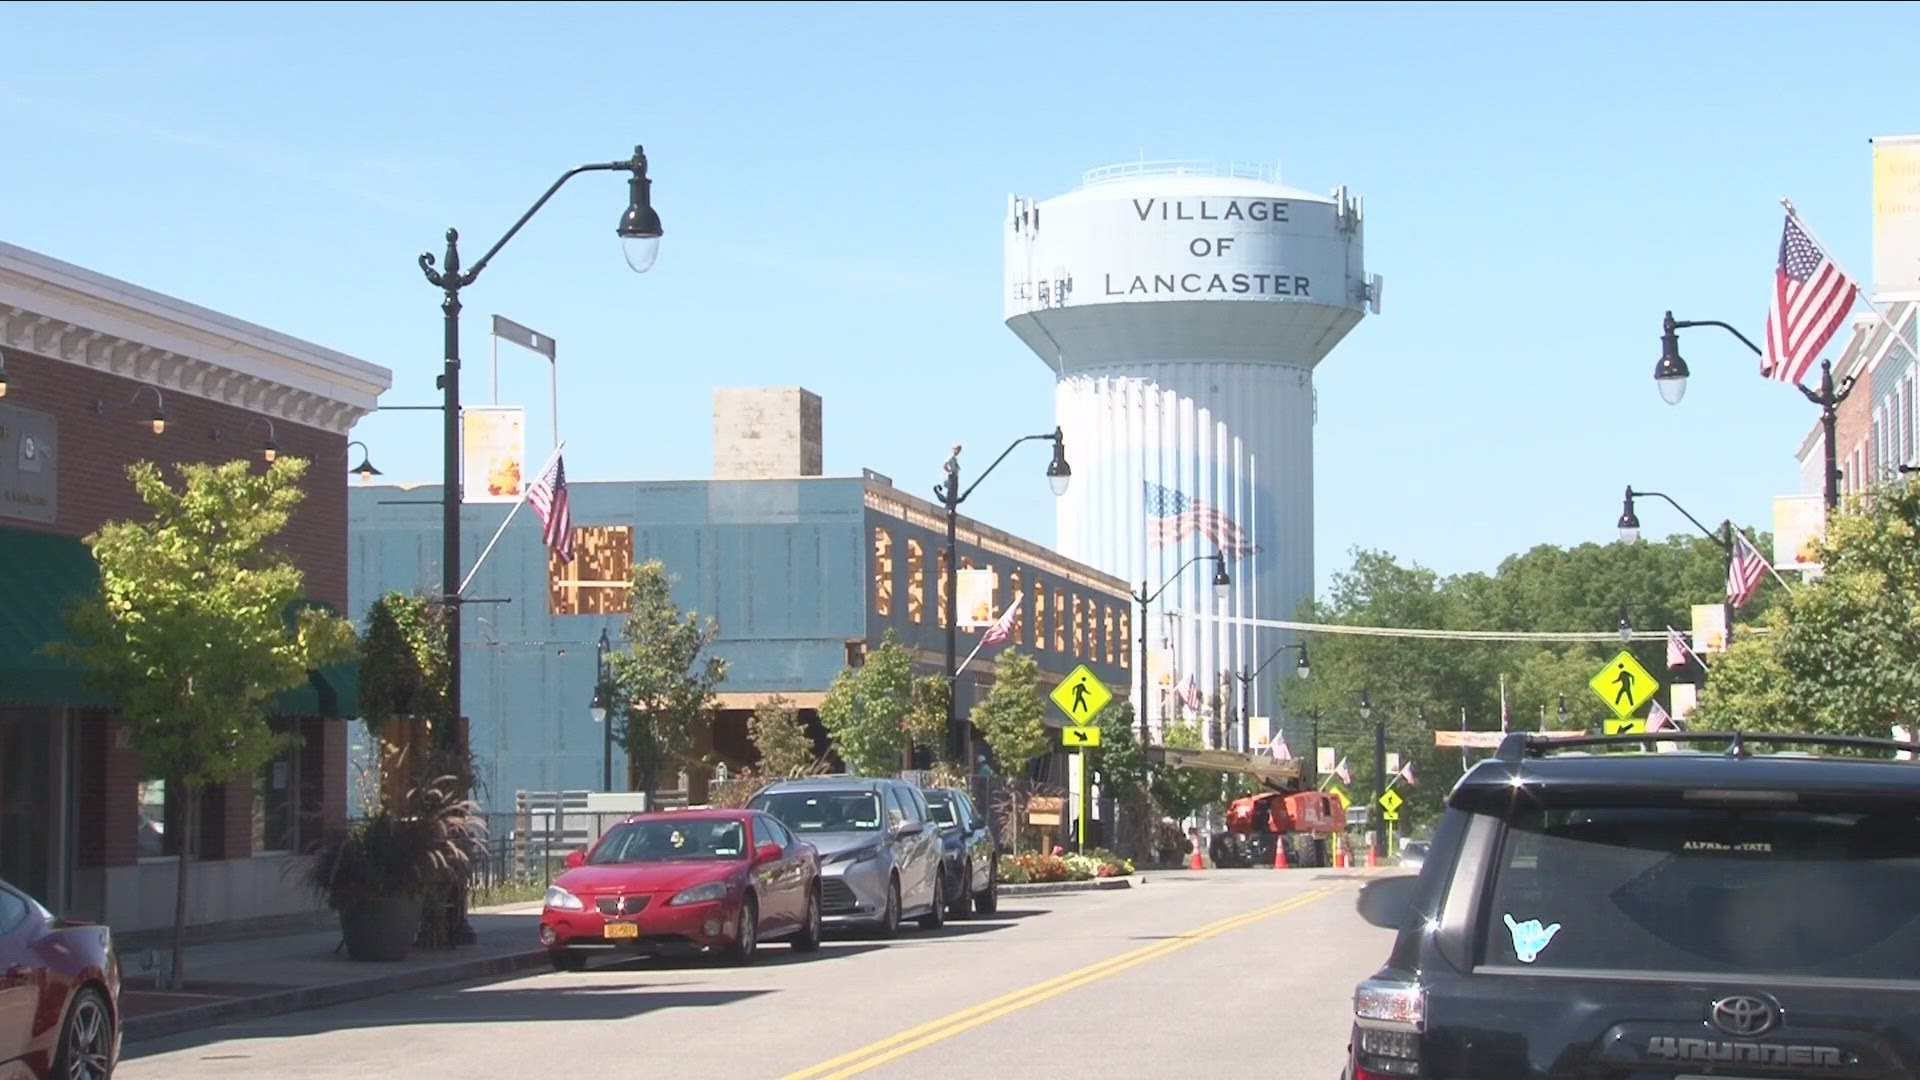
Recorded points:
(1189,975)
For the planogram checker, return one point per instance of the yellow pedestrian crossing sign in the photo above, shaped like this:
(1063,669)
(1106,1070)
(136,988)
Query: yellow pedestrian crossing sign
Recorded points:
(1390,802)
(1079,735)
(1081,696)
(1624,685)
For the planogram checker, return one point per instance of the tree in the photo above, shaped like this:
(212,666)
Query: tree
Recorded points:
(781,738)
(665,683)
(1181,793)
(1011,724)
(404,674)
(192,632)
(866,708)
(1125,774)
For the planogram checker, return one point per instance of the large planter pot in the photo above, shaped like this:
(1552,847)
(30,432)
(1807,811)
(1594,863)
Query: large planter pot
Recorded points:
(381,929)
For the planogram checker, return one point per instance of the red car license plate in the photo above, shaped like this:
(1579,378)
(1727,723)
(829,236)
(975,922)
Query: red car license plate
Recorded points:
(614,930)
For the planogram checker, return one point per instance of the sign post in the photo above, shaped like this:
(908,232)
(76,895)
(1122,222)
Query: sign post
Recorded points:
(1081,695)
(1390,813)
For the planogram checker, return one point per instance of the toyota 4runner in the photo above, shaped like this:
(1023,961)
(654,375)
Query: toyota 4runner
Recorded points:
(1709,912)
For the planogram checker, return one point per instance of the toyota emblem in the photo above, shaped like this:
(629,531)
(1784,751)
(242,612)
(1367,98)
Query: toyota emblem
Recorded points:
(1745,1015)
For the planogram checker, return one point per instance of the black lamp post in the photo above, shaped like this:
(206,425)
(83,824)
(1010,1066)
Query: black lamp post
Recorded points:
(639,231)
(601,709)
(1376,834)
(1246,685)
(951,495)
(1630,532)
(1670,374)
(1221,583)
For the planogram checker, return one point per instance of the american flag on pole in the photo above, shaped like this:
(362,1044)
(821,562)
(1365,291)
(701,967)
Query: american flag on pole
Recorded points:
(1676,649)
(1190,691)
(549,498)
(1340,770)
(1406,773)
(1744,572)
(1172,517)
(1811,298)
(1002,629)
(1658,718)
(1281,751)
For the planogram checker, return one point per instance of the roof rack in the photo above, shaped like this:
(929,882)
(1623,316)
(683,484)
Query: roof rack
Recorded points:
(1520,744)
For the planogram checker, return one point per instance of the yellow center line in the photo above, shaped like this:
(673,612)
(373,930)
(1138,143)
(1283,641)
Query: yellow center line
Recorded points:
(933,1031)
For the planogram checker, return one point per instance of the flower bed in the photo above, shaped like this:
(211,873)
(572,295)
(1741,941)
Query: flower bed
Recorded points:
(1036,867)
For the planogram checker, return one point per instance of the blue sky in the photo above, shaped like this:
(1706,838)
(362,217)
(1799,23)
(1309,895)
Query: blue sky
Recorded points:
(1541,183)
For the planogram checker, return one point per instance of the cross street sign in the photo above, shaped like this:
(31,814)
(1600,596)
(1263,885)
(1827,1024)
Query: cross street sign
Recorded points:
(1081,696)
(1624,685)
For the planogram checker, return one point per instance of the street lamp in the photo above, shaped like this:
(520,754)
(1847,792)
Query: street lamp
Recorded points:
(1630,532)
(365,470)
(1670,375)
(951,495)
(639,231)
(1626,627)
(158,417)
(600,708)
(1246,684)
(1221,582)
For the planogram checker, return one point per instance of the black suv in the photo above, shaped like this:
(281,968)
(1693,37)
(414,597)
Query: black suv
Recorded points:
(1698,913)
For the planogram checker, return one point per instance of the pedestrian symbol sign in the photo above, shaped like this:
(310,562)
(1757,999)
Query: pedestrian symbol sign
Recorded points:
(1081,696)
(1079,736)
(1624,685)
(1390,802)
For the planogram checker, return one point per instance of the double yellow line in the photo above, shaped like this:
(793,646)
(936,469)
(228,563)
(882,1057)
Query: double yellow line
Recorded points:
(946,1027)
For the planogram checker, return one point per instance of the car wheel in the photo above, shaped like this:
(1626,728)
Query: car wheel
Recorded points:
(747,941)
(962,906)
(807,938)
(86,1040)
(936,916)
(988,902)
(567,959)
(889,924)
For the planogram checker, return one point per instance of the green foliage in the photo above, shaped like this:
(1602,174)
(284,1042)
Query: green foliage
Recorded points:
(926,719)
(404,851)
(403,660)
(866,708)
(1842,655)
(780,736)
(188,631)
(1010,716)
(665,683)
(1181,792)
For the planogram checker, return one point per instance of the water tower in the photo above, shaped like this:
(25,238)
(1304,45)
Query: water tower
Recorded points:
(1183,307)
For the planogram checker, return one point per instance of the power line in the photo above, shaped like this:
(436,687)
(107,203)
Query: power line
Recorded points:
(1441,635)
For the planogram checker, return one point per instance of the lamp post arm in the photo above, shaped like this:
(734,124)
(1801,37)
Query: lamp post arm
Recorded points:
(1269,660)
(1144,600)
(1680,324)
(1704,531)
(453,277)
(996,464)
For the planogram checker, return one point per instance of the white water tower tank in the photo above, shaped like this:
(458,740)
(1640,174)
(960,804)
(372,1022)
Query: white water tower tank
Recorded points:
(1183,307)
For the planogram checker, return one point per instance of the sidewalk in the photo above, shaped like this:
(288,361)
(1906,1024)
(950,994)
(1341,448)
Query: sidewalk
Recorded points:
(268,974)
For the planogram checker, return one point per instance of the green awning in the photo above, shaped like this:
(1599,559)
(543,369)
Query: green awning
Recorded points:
(40,575)
(332,691)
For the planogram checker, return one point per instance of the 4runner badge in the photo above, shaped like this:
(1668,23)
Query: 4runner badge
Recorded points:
(1530,937)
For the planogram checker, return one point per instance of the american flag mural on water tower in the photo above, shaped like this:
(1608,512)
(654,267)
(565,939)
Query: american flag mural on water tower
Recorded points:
(1172,517)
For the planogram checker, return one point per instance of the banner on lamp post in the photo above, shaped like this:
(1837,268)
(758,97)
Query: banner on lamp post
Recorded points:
(1709,628)
(1799,521)
(493,453)
(975,600)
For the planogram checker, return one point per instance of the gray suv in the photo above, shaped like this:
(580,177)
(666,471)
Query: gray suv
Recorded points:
(879,848)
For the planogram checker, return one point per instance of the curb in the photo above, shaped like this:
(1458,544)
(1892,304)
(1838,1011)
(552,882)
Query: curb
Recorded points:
(1045,887)
(173,1022)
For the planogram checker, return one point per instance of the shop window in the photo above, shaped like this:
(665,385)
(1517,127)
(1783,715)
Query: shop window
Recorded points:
(966,563)
(882,573)
(1110,618)
(940,596)
(596,580)
(1126,637)
(1039,616)
(276,804)
(916,582)
(1018,614)
(1060,627)
(160,825)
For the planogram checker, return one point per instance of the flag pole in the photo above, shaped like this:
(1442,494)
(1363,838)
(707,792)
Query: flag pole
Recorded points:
(1894,333)
(468,580)
(983,642)
(1685,645)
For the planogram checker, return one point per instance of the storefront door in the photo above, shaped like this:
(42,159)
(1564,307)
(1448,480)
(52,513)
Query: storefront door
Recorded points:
(30,817)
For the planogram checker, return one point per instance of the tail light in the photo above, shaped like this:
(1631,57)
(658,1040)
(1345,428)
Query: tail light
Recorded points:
(1388,1016)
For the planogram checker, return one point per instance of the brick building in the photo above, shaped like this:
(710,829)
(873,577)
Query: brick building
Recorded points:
(91,366)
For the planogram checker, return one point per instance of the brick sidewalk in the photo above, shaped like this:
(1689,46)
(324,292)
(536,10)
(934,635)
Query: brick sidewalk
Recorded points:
(264,975)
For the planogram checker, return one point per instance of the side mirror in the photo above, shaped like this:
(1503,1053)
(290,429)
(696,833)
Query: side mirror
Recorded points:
(576,858)
(768,852)
(1388,902)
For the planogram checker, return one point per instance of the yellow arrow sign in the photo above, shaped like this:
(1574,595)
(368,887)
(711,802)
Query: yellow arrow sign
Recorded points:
(1081,695)
(1630,725)
(1080,736)
(1624,685)
(1390,802)
(1390,815)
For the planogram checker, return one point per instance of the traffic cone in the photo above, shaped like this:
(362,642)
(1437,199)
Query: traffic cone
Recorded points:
(1196,861)
(1371,862)
(1279,854)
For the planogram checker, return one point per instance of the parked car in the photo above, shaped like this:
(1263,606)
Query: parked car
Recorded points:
(1719,911)
(879,851)
(969,857)
(685,881)
(1414,855)
(59,994)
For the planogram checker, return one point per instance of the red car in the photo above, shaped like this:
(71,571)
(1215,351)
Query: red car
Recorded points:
(59,994)
(705,881)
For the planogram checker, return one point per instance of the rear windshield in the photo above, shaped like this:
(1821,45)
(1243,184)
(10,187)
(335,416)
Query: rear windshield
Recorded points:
(823,811)
(1785,892)
(659,841)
